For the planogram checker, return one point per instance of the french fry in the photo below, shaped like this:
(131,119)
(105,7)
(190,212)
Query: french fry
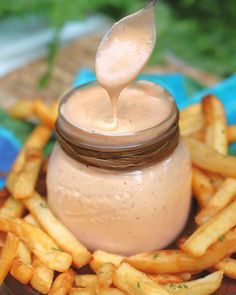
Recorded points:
(8,254)
(191,110)
(231,132)
(216,179)
(83,291)
(42,246)
(22,109)
(42,277)
(132,281)
(4,193)
(100,257)
(176,261)
(63,237)
(37,140)
(25,184)
(21,271)
(63,283)
(206,158)
(105,274)
(30,219)
(46,115)
(211,231)
(3,237)
(23,253)
(203,189)
(191,120)
(199,135)
(228,266)
(166,279)
(218,202)
(109,291)
(12,208)
(204,286)
(86,281)
(215,120)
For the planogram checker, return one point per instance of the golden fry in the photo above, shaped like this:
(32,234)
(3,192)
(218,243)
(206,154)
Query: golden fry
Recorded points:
(21,271)
(109,291)
(8,254)
(231,132)
(30,219)
(211,231)
(215,120)
(166,279)
(228,265)
(203,189)
(12,208)
(22,109)
(105,274)
(42,277)
(216,179)
(46,115)
(4,193)
(100,257)
(86,281)
(57,230)
(63,283)
(132,281)
(206,158)
(218,202)
(23,253)
(38,242)
(37,140)
(83,291)
(176,261)
(25,184)
(204,286)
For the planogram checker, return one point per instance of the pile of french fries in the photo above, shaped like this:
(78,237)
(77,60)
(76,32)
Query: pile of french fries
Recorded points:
(38,250)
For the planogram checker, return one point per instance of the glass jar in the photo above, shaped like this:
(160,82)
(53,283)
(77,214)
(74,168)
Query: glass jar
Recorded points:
(123,193)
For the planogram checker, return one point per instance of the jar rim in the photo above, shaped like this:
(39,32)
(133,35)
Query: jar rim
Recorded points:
(111,140)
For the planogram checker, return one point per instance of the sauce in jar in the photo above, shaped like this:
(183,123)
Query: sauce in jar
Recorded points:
(120,176)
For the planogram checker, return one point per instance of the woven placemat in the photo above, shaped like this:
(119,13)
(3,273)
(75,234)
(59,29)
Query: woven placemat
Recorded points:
(23,83)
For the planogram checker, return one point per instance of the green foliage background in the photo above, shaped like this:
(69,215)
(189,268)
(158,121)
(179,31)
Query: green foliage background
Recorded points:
(199,32)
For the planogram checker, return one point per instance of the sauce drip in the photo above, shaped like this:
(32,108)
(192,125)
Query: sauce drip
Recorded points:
(123,53)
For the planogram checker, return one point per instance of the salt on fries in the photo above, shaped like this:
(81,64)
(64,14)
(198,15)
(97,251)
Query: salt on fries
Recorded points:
(57,230)
(40,244)
(132,281)
(211,231)
(215,124)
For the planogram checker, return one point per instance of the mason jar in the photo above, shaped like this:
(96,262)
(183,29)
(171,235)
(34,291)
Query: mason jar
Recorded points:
(123,193)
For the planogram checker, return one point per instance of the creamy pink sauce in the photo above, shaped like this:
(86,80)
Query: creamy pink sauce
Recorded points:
(129,211)
(123,53)
(140,107)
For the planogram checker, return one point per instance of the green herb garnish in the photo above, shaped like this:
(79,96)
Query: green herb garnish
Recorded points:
(43,205)
(221,238)
(155,255)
